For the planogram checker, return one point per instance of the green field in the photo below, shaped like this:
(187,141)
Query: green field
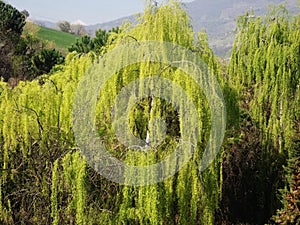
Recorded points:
(61,39)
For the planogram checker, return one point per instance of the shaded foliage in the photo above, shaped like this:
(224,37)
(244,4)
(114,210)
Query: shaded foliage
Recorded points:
(23,55)
(83,45)
(252,176)
(11,27)
(290,213)
(12,21)
(86,44)
(45,60)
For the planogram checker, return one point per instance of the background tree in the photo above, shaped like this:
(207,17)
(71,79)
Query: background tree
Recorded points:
(11,27)
(25,13)
(101,38)
(83,45)
(86,44)
(45,60)
(12,21)
(32,52)
(78,29)
(64,26)
(264,70)
(21,51)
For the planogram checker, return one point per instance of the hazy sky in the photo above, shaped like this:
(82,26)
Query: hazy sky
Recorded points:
(88,11)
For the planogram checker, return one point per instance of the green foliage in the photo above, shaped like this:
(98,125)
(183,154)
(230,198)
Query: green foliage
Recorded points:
(23,55)
(11,27)
(83,45)
(35,132)
(86,44)
(45,60)
(102,37)
(67,187)
(54,194)
(12,21)
(264,69)
(190,197)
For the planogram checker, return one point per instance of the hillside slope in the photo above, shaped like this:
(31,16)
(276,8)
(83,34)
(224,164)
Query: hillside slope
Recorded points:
(61,39)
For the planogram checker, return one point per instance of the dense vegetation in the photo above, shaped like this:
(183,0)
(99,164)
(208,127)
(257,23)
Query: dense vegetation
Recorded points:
(44,179)
(21,51)
(97,44)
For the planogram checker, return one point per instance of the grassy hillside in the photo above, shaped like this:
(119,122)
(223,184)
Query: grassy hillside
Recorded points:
(62,40)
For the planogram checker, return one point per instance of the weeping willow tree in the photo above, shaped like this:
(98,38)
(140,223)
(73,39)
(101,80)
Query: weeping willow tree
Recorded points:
(35,131)
(264,69)
(190,197)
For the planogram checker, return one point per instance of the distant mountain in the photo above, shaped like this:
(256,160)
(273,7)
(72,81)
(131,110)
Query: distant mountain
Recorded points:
(45,23)
(216,17)
(91,29)
(79,22)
